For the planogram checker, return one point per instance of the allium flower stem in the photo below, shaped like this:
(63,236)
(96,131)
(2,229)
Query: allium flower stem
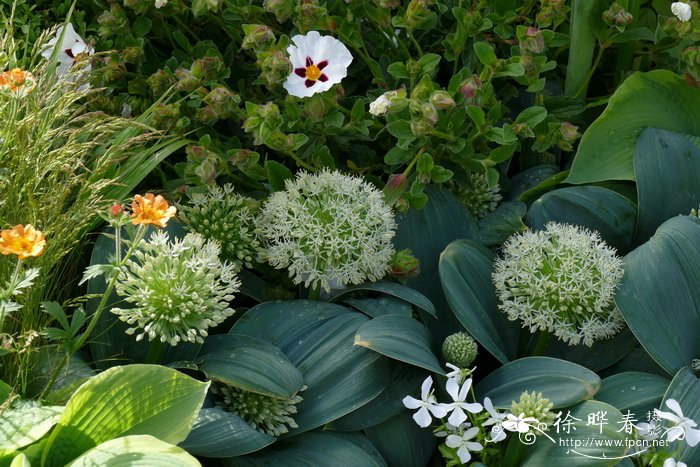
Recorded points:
(156,351)
(542,344)
(314,292)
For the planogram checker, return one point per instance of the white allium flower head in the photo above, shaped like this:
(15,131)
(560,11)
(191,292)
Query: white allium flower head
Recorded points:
(563,280)
(177,289)
(72,47)
(318,63)
(380,105)
(681,10)
(328,228)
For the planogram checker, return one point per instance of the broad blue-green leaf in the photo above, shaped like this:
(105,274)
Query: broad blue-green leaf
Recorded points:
(585,445)
(563,383)
(218,433)
(465,274)
(391,288)
(601,355)
(530,178)
(405,380)
(500,224)
(659,296)
(384,305)
(252,364)
(315,449)
(637,360)
(22,426)
(136,450)
(401,442)
(605,211)
(635,391)
(401,338)
(426,232)
(667,169)
(685,389)
(655,99)
(129,400)
(318,339)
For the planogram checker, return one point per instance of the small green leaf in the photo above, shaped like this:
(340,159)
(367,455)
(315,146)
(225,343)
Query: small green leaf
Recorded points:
(400,129)
(398,70)
(277,174)
(428,62)
(485,53)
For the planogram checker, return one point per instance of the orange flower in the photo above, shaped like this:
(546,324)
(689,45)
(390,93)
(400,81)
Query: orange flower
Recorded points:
(151,209)
(23,241)
(17,81)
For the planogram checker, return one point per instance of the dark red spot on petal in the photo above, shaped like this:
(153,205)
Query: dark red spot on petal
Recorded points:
(323,78)
(309,82)
(69,52)
(309,62)
(300,72)
(322,64)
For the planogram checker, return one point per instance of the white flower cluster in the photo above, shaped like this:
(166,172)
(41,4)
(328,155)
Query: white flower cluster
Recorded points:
(563,280)
(458,432)
(178,289)
(328,228)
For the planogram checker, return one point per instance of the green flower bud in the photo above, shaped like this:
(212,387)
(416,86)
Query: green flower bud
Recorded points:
(417,11)
(424,110)
(209,69)
(421,127)
(404,265)
(186,81)
(310,16)
(274,67)
(165,115)
(223,102)
(617,16)
(132,55)
(460,349)
(442,100)
(257,36)
(282,9)
(469,89)
(113,22)
(139,6)
(478,195)
(160,82)
(532,41)
(534,405)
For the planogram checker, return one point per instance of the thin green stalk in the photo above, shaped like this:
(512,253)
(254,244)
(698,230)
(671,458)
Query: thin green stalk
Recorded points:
(542,344)
(414,42)
(156,351)
(314,292)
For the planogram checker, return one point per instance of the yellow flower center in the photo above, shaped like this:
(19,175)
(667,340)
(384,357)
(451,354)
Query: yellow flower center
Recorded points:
(313,72)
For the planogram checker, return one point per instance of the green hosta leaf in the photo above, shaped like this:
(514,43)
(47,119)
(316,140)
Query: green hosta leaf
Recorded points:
(136,450)
(316,449)
(402,442)
(402,338)
(659,296)
(318,339)
(500,224)
(218,433)
(685,389)
(604,353)
(633,391)
(465,273)
(252,364)
(585,445)
(667,169)
(22,426)
(656,99)
(130,400)
(391,288)
(376,307)
(605,211)
(563,383)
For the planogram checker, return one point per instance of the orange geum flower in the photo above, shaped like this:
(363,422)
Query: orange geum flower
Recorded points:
(23,241)
(151,209)
(17,81)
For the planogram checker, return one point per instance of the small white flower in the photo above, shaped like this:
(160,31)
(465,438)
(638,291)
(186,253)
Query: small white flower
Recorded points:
(497,431)
(681,10)
(671,462)
(456,372)
(426,405)
(319,62)
(464,444)
(521,423)
(459,396)
(683,427)
(161,3)
(649,431)
(379,106)
(71,49)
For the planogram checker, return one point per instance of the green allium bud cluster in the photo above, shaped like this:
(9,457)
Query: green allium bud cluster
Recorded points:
(561,280)
(534,405)
(460,349)
(227,217)
(266,414)
(177,289)
(479,197)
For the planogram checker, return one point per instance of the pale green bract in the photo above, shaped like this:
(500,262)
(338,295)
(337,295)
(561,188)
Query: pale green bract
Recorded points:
(562,280)
(178,289)
(328,229)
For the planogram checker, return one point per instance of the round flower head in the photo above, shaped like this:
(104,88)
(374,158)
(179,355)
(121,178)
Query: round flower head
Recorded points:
(151,209)
(563,280)
(328,228)
(459,349)
(534,405)
(178,289)
(17,82)
(480,198)
(682,11)
(227,217)
(266,414)
(71,49)
(22,241)
(318,63)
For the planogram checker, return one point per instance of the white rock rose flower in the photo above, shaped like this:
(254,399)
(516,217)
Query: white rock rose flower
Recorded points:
(319,62)
(71,49)
(681,10)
